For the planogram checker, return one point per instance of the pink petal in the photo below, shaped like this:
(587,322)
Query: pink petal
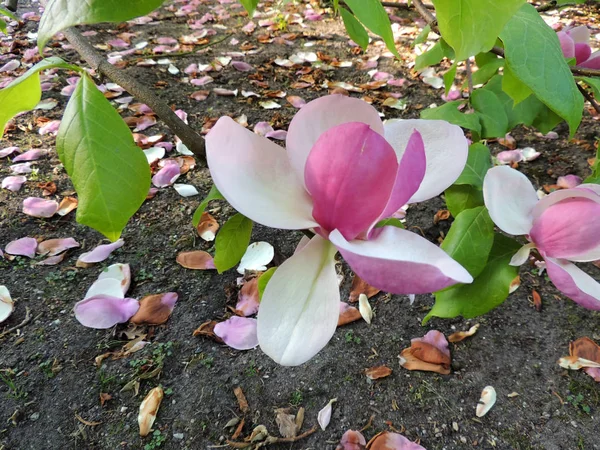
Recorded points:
(263,128)
(50,128)
(238,332)
(52,260)
(574,283)
(582,52)
(202,81)
(437,339)
(589,191)
(568,228)
(10,66)
(568,181)
(200,95)
(31,155)
(279,135)
(411,172)
(509,156)
(566,44)
(593,62)
(256,178)
(53,247)
(580,34)
(144,122)
(13,183)
(510,199)
(352,440)
(350,173)
(103,312)
(167,175)
(39,207)
(242,66)
(593,372)
(22,247)
(8,151)
(101,252)
(446,151)
(318,116)
(295,101)
(394,441)
(400,262)
(21,168)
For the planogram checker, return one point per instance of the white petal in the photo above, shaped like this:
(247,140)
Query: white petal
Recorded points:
(110,287)
(256,178)
(446,151)
(257,256)
(364,307)
(324,416)
(510,198)
(300,306)
(154,153)
(522,255)
(120,272)
(185,190)
(6,304)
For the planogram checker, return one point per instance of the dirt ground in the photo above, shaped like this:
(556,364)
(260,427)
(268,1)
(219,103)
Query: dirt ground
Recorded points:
(50,394)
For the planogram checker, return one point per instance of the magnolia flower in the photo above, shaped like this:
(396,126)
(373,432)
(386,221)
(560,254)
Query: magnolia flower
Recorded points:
(563,226)
(340,176)
(575,44)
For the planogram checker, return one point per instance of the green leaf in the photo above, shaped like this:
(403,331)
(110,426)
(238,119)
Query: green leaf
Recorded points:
(546,120)
(470,239)
(110,173)
(422,37)
(450,113)
(390,222)
(449,78)
(494,122)
(232,242)
(486,72)
(461,197)
(355,29)
(479,162)
(3,26)
(434,55)
(486,292)
(373,16)
(213,194)
(514,87)
(471,26)
(24,93)
(263,280)
(7,13)
(61,14)
(250,6)
(594,83)
(481,59)
(538,62)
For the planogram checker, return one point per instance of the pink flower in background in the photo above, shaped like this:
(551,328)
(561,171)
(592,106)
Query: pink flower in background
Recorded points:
(343,172)
(575,44)
(563,226)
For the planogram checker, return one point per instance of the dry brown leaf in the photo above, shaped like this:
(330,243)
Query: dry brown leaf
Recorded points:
(207,227)
(67,205)
(104,397)
(207,329)
(537,300)
(359,286)
(461,335)
(48,188)
(86,422)
(375,373)
(197,260)
(241,398)
(286,423)
(149,409)
(238,431)
(442,214)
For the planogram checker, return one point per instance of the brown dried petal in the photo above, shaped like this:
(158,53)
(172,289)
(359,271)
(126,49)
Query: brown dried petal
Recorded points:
(359,286)
(149,409)
(207,227)
(411,362)
(430,354)
(375,373)
(461,335)
(198,260)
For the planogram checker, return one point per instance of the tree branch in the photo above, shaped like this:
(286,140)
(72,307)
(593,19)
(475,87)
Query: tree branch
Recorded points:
(589,98)
(188,136)
(431,20)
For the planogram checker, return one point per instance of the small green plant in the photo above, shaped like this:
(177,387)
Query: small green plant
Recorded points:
(251,370)
(143,275)
(49,368)
(296,398)
(157,440)
(207,362)
(7,377)
(578,402)
(350,338)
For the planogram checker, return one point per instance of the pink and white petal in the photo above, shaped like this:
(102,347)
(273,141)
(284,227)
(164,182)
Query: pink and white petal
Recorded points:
(39,207)
(574,283)
(510,198)
(350,173)
(589,191)
(394,441)
(51,247)
(580,34)
(437,339)
(593,62)
(567,44)
(400,262)
(120,272)
(31,155)
(409,177)
(103,312)
(568,229)
(108,287)
(22,247)
(13,183)
(320,115)
(238,332)
(582,52)
(256,178)
(101,252)
(167,175)
(300,306)
(446,151)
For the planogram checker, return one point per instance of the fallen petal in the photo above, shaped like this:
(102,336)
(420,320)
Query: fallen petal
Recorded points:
(375,373)
(360,286)
(256,258)
(119,272)
(102,312)
(31,155)
(238,332)
(67,205)
(324,416)
(22,247)
(53,247)
(487,400)
(39,207)
(167,175)
(348,314)
(461,335)
(13,183)
(155,309)
(207,227)
(248,301)
(352,440)
(149,410)
(6,304)
(100,253)
(185,190)
(365,308)
(392,441)
(198,260)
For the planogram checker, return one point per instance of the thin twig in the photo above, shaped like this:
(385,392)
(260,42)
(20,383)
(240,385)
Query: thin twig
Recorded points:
(22,324)
(469,75)
(426,14)
(589,98)
(402,5)
(188,136)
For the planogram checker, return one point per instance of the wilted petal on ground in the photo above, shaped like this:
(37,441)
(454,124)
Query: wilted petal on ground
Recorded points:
(22,247)
(262,128)
(53,247)
(13,183)
(568,181)
(352,440)
(392,441)
(167,175)
(110,287)
(120,272)
(50,128)
(509,156)
(101,252)
(154,153)
(324,416)
(103,312)
(155,309)
(8,151)
(238,332)
(248,301)
(39,207)
(197,260)
(242,66)
(67,205)
(21,168)
(6,304)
